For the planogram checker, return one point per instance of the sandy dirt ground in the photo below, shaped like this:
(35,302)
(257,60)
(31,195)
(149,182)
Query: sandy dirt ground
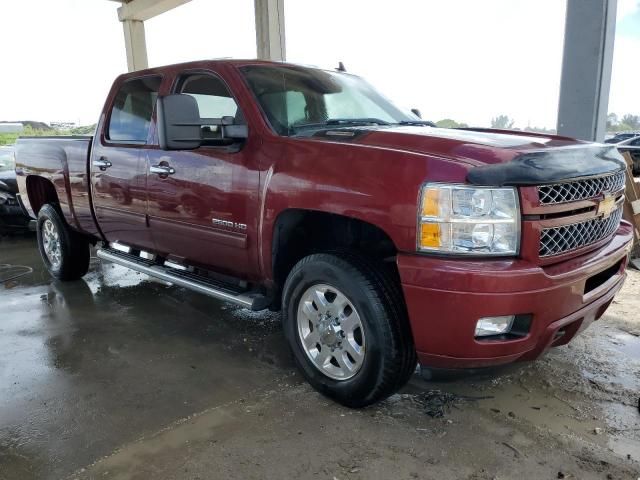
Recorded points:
(119,377)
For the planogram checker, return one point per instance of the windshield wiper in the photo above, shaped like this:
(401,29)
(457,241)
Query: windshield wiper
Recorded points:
(356,121)
(424,123)
(340,122)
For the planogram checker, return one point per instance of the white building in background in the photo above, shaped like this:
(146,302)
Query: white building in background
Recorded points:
(11,127)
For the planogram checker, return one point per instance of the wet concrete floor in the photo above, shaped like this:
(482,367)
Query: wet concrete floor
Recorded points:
(118,376)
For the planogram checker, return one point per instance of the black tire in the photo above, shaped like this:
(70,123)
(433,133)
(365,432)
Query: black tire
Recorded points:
(120,195)
(73,248)
(390,356)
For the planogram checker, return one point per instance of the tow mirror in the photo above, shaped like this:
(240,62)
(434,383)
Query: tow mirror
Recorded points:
(181,128)
(228,128)
(179,122)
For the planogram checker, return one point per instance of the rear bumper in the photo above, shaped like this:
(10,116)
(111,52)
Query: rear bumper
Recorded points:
(446,297)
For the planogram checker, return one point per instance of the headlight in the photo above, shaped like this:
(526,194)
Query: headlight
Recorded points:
(460,219)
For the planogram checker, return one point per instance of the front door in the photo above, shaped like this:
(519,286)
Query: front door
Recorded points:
(205,212)
(118,168)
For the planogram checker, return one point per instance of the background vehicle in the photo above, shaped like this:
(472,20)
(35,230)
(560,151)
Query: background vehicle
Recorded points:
(619,137)
(382,239)
(632,145)
(12,217)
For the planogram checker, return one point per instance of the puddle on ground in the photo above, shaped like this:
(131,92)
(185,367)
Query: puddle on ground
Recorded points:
(626,343)
(589,390)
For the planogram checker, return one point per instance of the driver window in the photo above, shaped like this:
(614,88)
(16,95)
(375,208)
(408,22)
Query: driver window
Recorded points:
(214,101)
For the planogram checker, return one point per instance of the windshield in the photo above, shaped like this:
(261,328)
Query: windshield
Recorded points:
(296,99)
(6,159)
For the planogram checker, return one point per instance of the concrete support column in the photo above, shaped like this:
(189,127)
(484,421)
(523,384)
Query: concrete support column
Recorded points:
(132,14)
(586,68)
(270,38)
(136,45)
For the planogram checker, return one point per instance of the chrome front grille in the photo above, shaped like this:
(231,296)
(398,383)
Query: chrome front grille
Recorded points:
(580,189)
(562,239)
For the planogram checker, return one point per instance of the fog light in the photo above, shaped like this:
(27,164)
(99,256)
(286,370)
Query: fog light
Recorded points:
(494,325)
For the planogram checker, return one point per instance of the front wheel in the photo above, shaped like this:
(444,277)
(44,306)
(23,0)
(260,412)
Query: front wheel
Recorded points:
(346,323)
(64,252)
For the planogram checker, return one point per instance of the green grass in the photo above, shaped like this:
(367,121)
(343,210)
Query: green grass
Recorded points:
(10,138)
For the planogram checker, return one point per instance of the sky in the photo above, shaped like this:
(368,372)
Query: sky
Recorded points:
(463,59)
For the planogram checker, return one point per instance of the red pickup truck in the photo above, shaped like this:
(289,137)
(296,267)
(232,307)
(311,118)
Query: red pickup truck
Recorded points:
(385,241)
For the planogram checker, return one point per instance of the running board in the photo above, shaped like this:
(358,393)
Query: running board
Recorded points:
(186,279)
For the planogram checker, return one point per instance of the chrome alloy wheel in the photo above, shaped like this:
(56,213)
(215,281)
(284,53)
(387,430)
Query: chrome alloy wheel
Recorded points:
(51,243)
(331,332)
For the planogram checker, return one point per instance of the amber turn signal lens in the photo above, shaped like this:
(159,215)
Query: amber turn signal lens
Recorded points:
(430,235)
(430,203)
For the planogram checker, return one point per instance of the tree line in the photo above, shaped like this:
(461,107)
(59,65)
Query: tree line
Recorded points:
(625,123)
(615,123)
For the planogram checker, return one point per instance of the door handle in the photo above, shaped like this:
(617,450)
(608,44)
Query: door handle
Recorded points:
(102,163)
(162,169)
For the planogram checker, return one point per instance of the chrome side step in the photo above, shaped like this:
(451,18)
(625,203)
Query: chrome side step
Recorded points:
(197,283)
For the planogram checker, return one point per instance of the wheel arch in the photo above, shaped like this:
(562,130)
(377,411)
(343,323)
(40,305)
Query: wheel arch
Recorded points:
(298,232)
(40,191)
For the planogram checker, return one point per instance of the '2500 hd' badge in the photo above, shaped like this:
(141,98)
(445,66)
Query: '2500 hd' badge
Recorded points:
(226,223)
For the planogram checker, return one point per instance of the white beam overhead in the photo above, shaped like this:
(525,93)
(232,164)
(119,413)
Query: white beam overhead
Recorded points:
(142,10)
(270,37)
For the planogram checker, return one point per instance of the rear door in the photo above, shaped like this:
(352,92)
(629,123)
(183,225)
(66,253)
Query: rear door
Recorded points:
(205,213)
(118,169)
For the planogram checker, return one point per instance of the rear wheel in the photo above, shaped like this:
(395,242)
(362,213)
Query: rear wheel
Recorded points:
(346,323)
(119,196)
(64,252)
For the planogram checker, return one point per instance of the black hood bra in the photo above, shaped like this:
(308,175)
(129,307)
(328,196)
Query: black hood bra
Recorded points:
(550,166)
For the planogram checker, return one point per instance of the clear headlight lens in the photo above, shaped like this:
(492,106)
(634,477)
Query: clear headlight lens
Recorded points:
(469,220)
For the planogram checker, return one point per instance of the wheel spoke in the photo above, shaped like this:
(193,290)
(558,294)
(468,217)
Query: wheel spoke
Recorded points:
(340,303)
(311,340)
(323,357)
(310,312)
(345,365)
(355,350)
(350,323)
(321,301)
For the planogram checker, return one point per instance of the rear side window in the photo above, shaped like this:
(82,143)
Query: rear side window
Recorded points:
(132,109)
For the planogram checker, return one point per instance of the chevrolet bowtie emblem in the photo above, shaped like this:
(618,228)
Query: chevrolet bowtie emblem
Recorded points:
(606,206)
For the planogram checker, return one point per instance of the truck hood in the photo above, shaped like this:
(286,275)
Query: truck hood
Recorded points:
(492,157)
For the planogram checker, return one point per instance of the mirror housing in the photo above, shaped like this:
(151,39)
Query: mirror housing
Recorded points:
(180,125)
(236,132)
(416,112)
(179,122)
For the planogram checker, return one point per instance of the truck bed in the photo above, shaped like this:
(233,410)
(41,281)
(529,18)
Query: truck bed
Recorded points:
(63,161)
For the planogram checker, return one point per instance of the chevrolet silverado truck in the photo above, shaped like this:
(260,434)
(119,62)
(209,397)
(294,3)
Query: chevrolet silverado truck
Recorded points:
(384,241)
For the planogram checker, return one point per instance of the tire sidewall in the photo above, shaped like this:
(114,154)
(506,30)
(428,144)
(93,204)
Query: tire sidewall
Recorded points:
(346,278)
